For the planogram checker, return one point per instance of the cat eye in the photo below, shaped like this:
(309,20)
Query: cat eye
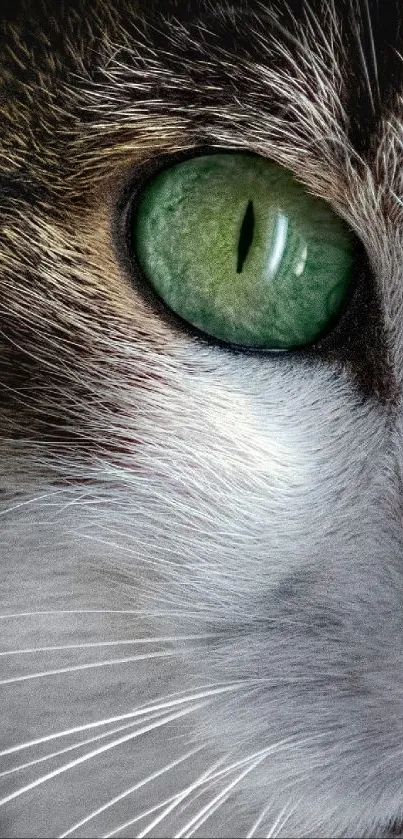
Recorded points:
(239,249)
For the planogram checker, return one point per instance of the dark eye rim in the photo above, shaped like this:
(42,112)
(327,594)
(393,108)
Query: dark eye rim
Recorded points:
(337,330)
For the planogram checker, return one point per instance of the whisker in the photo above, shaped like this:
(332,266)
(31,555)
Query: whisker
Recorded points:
(91,666)
(128,791)
(281,820)
(141,613)
(205,778)
(75,500)
(138,818)
(123,549)
(125,641)
(138,712)
(208,777)
(372,44)
(206,810)
(364,64)
(179,797)
(258,821)
(105,748)
(211,811)
(31,501)
(209,781)
(21,766)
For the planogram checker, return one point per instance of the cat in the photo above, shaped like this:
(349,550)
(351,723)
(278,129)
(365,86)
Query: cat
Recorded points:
(201,544)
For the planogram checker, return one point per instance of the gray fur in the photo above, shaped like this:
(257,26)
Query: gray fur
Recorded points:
(235,518)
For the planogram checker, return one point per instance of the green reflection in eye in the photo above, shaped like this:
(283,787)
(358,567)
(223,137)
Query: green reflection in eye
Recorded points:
(238,248)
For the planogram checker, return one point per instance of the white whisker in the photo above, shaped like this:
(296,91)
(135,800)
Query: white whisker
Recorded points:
(364,64)
(206,810)
(123,549)
(130,790)
(258,821)
(144,614)
(281,820)
(125,641)
(372,43)
(179,797)
(76,500)
(212,810)
(87,742)
(105,748)
(208,776)
(138,712)
(94,664)
(31,501)
(138,818)
(209,781)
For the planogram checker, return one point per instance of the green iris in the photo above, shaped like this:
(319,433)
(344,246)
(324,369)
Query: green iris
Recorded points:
(238,248)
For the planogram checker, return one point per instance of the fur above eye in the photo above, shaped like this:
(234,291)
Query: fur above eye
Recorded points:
(238,248)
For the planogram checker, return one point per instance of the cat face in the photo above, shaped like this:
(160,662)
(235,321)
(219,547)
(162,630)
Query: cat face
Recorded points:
(201,545)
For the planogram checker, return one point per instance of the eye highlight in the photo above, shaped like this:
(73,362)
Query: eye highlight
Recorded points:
(238,248)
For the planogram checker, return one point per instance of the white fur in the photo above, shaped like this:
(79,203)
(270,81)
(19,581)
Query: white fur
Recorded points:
(253,502)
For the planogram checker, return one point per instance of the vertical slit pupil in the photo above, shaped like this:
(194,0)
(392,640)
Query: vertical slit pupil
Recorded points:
(245,236)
